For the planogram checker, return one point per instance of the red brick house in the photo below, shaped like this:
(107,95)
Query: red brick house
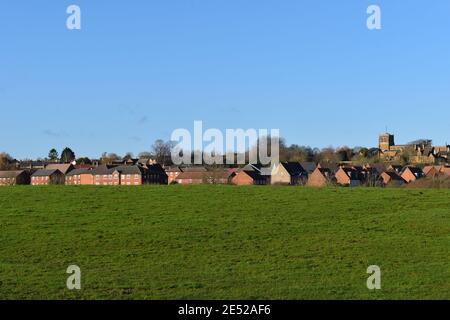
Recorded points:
(432,171)
(391,177)
(208,177)
(47,177)
(350,176)
(133,175)
(411,174)
(11,178)
(249,177)
(321,177)
(80,177)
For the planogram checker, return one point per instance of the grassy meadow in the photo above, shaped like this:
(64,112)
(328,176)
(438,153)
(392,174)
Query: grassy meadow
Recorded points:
(224,242)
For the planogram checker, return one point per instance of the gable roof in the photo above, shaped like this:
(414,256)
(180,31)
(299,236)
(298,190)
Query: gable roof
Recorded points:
(11,174)
(63,167)
(393,175)
(204,175)
(255,175)
(80,171)
(293,168)
(45,173)
(156,169)
(308,166)
(193,169)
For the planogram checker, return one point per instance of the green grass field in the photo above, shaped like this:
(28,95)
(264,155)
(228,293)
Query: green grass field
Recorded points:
(224,242)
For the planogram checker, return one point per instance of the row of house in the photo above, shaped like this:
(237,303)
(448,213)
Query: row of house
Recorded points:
(284,173)
(57,174)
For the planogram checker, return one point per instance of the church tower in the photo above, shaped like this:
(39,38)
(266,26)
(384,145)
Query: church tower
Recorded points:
(386,141)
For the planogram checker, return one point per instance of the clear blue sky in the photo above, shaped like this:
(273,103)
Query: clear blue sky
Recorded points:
(140,69)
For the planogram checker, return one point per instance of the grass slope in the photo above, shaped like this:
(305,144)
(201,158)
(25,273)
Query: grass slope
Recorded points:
(223,242)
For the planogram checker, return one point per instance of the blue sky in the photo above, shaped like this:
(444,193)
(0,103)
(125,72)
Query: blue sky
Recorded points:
(140,69)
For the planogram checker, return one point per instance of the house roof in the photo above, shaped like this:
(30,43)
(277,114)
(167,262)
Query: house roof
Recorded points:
(293,168)
(129,169)
(255,175)
(63,167)
(155,169)
(193,169)
(204,175)
(427,169)
(45,172)
(252,167)
(393,175)
(172,169)
(329,166)
(102,170)
(80,171)
(414,170)
(308,166)
(10,174)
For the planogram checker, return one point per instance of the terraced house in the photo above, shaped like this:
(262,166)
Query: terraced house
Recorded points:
(104,175)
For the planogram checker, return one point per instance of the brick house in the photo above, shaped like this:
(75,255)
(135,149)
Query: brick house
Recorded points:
(121,175)
(208,177)
(432,171)
(128,175)
(321,177)
(249,177)
(80,177)
(291,173)
(350,176)
(391,177)
(47,177)
(11,178)
(411,174)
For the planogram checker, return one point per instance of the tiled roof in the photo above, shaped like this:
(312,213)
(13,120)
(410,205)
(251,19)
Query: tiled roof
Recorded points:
(77,172)
(64,168)
(10,174)
(44,173)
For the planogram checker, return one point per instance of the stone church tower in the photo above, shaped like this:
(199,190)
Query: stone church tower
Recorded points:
(386,141)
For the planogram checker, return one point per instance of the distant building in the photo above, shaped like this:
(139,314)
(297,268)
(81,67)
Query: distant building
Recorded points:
(349,176)
(47,177)
(249,177)
(321,177)
(82,176)
(63,167)
(419,152)
(411,174)
(291,173)
(205,177)
(391,177)
(11,178)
